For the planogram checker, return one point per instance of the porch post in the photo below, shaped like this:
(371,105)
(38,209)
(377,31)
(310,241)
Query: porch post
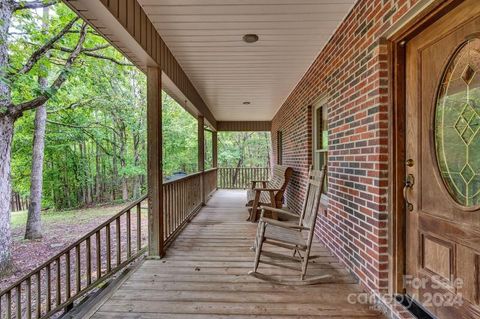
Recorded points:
(201,153)
(155,159)
(215,148)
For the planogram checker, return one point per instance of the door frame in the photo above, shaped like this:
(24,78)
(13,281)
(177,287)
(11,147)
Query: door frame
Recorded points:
(414,22)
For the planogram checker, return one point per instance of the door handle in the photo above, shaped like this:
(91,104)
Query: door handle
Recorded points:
(409,182)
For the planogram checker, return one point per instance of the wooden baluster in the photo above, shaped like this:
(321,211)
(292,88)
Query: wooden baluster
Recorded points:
(48,278)
(177,204)
(118,241)
(174,204)
(9,304)
(99,254)
(108,248)
(165,211)
(88,257)
(78,278)
(129,234)
(180,200)
(58,296)
(18,295)
(39,294)
(28,292)
(171,212)
(242,177)
(186,202)
(172,209)
(139,228)
(67,275)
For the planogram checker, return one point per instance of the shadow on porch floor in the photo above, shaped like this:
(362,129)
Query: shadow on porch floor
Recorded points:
(204,275)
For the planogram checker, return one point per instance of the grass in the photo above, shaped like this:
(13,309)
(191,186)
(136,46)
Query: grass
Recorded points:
(19,219)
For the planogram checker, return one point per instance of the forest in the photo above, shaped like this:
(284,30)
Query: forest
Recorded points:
(73,120)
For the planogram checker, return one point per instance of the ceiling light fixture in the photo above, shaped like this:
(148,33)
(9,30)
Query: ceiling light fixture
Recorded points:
(250,38)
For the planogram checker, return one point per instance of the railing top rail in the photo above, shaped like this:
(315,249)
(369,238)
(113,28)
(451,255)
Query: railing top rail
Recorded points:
(72,246)
(211,169)
(183,178)
(248,167)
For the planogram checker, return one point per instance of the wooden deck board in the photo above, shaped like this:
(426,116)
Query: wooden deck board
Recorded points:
(204,275)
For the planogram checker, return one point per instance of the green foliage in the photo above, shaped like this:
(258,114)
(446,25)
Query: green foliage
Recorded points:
(96,128)
(180,142)
(208,149)
(243,149)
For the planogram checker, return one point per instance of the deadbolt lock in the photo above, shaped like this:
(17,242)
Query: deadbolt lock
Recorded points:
(410,162)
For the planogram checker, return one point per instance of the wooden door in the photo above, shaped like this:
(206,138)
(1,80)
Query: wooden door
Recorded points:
(443,164)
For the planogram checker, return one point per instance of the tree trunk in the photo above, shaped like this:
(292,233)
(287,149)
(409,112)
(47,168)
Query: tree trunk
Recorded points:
(123,162)
(114,169)
(34,222)
(136,162)
(6,136)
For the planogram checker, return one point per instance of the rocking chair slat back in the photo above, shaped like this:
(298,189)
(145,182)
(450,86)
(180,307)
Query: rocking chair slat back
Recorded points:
(312,201)
(291,237)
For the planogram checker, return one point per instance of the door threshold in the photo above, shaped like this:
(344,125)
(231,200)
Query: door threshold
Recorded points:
(414,307)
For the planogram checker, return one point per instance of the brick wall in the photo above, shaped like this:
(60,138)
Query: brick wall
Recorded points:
(351,72)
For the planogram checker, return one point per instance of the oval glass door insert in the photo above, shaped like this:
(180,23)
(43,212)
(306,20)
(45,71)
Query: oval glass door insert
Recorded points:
(457,125)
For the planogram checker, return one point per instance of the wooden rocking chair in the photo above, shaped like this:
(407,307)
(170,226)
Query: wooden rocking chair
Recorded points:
(271,192)
(295,237)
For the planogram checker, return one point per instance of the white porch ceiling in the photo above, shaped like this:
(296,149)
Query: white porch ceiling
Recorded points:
(206,38)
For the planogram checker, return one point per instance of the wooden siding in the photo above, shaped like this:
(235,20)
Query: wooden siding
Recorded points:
(244,126)
(132,17)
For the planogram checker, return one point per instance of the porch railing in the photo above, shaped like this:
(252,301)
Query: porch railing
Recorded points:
(182,199)
(209,182)
(79,268)
(240,177)
(98,255)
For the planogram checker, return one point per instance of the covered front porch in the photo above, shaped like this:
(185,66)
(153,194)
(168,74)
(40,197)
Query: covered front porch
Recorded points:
(204,275)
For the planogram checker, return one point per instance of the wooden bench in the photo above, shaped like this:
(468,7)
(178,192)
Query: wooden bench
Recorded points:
(270,193)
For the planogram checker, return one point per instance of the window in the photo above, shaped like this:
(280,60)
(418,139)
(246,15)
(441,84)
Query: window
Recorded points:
(279,147)
(320,136)
(457,124)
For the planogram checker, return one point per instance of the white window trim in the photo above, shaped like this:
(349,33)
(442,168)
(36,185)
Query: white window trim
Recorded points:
(321,102)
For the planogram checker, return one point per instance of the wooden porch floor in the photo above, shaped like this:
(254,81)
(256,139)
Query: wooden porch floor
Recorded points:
(204,275)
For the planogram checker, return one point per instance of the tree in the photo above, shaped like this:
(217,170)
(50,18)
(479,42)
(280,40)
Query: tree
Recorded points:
(10,110)
(16,72)
(33,229)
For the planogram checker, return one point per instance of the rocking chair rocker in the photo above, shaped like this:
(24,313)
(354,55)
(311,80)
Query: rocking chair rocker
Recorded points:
(295,237)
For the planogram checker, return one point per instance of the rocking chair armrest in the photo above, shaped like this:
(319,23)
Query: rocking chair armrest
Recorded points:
(280,211)
(281,224)
(261,189)
(254,183)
